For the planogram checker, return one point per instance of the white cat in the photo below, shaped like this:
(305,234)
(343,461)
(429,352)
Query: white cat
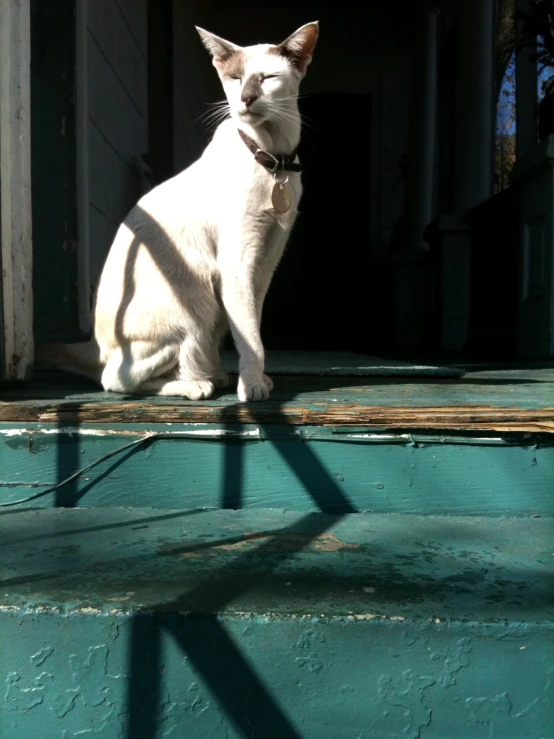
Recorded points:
(197,253)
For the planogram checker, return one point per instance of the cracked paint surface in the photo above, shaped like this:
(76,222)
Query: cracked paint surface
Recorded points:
(365,627)
(329,678)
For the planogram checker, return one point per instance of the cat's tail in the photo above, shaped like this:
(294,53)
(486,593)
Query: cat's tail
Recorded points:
(79,359)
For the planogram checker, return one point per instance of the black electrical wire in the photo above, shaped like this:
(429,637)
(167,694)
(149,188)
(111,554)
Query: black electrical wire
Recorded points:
(50,490)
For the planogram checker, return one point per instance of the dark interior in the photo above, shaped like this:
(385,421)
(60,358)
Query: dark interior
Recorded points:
(323,277)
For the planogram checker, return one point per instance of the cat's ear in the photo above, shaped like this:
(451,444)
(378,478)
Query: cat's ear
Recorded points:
(220,49)
(299,47)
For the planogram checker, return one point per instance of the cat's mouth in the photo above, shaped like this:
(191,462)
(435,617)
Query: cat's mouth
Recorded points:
(251,116)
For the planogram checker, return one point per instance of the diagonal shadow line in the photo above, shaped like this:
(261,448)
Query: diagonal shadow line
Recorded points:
(129,290)
(315,477)
(139,522)
(248,703)
(236,685)
(239,691)
(291,539)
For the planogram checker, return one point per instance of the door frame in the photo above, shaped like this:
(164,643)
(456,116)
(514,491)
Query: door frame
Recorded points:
(82,169)
(16,255)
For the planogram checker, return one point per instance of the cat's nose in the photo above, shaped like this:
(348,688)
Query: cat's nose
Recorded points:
(248,100)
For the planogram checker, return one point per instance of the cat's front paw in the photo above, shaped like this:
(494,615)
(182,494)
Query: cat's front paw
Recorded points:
(197,389)
(254,391)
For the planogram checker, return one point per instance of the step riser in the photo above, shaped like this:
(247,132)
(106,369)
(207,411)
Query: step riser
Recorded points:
(293,468)
(263,677)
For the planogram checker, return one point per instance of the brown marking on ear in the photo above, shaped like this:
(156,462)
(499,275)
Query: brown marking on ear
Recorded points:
(299,47)
(220,49)
(233,66)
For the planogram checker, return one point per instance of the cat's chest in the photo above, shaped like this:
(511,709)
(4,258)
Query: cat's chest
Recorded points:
(277,197)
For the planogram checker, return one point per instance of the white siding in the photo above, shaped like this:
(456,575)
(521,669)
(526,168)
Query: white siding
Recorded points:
(113,128)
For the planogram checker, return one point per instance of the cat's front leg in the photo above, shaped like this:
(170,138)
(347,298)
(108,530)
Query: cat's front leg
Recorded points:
(255,391)
(239,300)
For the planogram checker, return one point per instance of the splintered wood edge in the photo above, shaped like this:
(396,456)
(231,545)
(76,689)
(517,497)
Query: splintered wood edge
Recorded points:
(466,418)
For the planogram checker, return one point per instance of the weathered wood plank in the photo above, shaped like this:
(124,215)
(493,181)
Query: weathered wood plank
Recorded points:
(516,400)
(468,418)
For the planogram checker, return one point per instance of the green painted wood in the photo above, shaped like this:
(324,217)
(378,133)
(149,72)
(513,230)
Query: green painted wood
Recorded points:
(274,466)
(270,625)
(342,364)
(53,151)
(518,388)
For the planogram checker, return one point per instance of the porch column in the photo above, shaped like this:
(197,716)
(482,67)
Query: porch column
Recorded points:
(413,275)
(526,92)
(473,163)
(475,104)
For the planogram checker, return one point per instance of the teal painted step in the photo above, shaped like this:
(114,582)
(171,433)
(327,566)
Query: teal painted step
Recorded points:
(271,624)
(298,468)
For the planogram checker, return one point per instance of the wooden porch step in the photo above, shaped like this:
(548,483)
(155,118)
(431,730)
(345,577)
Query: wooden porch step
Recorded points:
(479,444)
(273,624)
(335,470)
(500,400)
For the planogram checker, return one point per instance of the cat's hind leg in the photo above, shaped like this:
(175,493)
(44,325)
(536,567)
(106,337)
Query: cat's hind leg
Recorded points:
(196,374)
(200,365)
(143,369)
(129,366)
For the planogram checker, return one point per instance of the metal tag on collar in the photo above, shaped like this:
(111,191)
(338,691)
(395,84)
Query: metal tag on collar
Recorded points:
(281,195)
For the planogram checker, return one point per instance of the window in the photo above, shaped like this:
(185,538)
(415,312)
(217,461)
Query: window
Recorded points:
(505,73)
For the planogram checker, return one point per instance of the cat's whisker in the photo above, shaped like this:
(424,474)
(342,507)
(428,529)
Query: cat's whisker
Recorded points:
(308,123)
(217,110)
(289,117)
(216,116)
(217,107)
(214,122)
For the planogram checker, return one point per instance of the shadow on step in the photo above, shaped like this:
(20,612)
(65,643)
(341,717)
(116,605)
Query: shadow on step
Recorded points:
(241,693)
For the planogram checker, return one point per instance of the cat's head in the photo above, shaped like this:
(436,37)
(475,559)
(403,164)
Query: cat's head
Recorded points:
(262,81)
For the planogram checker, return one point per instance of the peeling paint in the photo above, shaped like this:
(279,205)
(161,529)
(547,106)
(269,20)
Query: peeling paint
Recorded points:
(78,431)
(271,542)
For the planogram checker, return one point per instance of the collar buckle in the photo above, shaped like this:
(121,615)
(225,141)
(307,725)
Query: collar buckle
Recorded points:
(277,164)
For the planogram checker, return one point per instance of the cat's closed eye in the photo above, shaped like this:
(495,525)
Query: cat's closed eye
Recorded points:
(269,76)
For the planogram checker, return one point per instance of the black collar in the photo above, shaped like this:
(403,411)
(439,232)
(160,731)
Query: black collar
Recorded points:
(274,163)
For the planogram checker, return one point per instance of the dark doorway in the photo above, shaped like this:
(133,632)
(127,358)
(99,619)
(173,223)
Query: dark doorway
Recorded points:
(53,170)
(160,88)
(318,297)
